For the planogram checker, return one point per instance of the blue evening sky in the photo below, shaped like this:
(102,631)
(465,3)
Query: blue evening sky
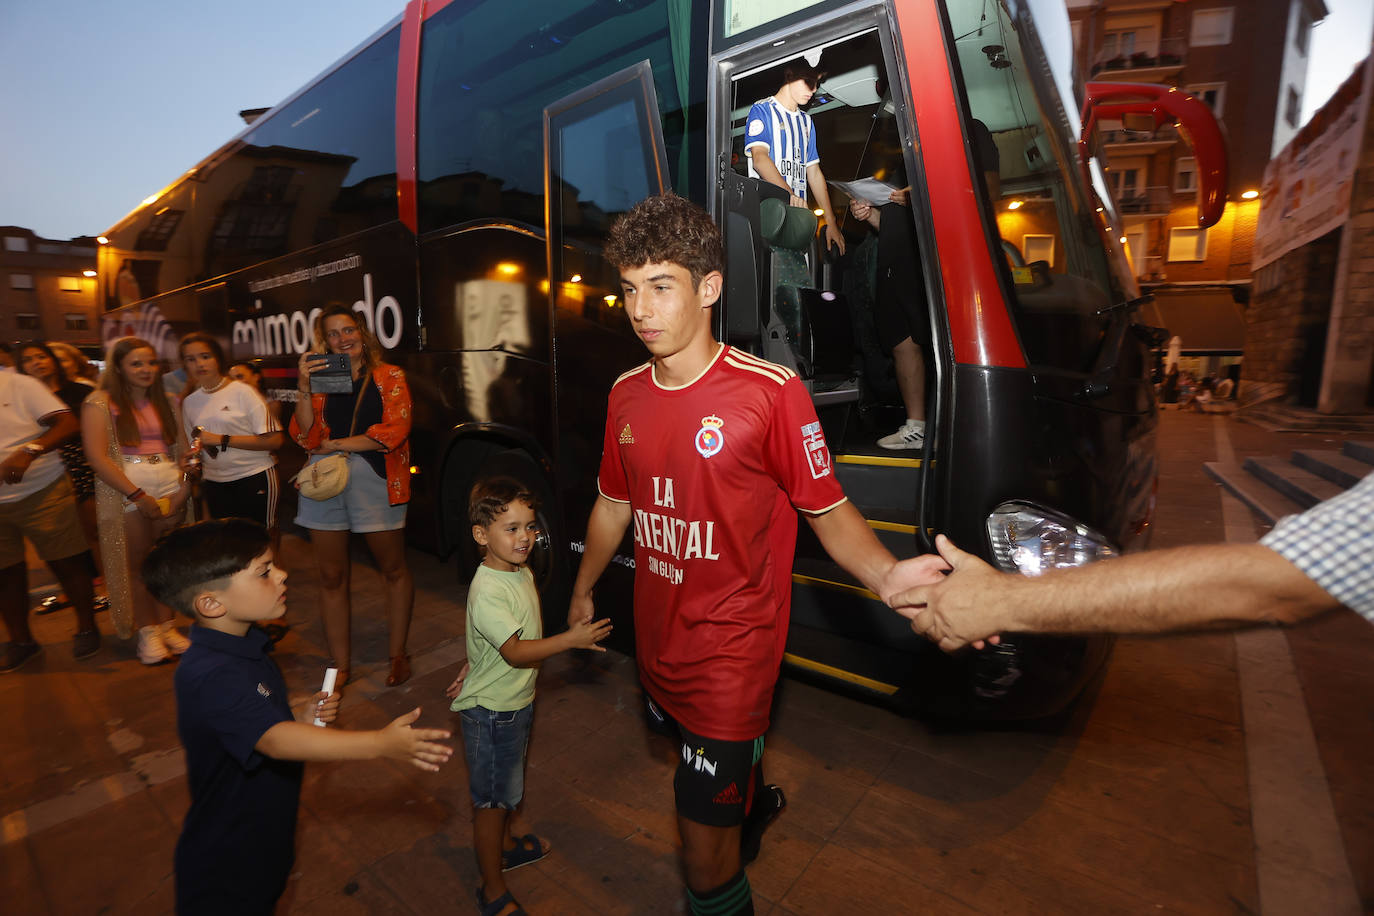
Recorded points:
(104,103)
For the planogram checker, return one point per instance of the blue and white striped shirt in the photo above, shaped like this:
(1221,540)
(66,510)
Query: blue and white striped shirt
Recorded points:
(1333,544)
(790,137)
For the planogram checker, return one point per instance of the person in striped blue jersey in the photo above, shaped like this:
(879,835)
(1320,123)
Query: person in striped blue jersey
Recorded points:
(789,158)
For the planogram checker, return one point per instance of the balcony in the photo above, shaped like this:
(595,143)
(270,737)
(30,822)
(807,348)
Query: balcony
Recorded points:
(1139,142)
(1147,202)
(1145,66)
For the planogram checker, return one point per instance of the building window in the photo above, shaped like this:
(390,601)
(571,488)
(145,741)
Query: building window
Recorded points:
(1187,244)
(1211,27)
(1292,108)
(69,284)
(26,321)
(1185,175)
(1304,28)
(1118,44)
(1038,248)
(77,322)
(16,243)
(1213,95)
(21,281)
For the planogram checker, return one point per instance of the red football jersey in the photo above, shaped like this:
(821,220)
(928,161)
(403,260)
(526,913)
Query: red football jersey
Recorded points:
(715,471)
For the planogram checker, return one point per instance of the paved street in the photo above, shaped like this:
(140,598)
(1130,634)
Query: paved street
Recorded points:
(1177,785)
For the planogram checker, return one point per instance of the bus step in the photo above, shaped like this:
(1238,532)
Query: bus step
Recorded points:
(879,480)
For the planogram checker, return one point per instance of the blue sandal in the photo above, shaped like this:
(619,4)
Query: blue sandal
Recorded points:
(497,905)
(528,848)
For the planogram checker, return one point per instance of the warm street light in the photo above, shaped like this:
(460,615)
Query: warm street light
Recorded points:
(102,240)
(88,273)
(1249,195)
(1015,205)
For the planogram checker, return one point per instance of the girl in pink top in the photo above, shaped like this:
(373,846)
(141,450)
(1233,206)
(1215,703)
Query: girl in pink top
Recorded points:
(133,440)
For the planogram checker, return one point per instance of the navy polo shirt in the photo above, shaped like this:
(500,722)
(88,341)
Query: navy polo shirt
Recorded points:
(237,844)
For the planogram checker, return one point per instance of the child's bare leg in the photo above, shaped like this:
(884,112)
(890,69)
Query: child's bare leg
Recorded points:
(490,835)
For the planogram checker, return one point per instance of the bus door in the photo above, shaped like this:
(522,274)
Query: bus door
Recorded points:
(797,302)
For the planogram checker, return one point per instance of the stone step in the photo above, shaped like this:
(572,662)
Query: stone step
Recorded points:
(1331,465)
(1360,451)
(1285,418)
(1265,501)
(1301,486)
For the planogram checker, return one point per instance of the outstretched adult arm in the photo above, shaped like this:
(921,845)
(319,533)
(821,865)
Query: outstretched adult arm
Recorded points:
(846,536)
(1208,586)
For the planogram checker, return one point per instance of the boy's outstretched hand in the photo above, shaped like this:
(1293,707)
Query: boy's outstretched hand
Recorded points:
(322,706)
(585,634)
(457,686)
(401,742)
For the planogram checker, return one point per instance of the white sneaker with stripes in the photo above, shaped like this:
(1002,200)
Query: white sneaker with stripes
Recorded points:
(908,436)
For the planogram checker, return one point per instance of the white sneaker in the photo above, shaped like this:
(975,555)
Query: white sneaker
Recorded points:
(908,435)
(151,649)
(173,640)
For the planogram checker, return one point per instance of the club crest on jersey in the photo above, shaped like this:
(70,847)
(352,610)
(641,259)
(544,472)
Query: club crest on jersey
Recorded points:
(710,440)
(817,452)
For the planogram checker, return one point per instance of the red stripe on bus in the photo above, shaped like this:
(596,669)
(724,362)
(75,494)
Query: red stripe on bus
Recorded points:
(407,88)
(980,327)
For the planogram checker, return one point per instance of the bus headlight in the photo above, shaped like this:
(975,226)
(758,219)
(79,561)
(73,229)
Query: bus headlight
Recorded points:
(1030,539)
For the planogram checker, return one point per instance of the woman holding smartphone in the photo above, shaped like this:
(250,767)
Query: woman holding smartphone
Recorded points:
(133,441)
(371,425)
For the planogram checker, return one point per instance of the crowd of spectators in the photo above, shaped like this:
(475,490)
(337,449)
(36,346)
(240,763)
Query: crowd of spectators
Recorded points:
(96,467)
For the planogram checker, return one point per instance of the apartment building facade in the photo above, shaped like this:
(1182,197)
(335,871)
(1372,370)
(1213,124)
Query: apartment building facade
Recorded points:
(47,288)
(1247,59)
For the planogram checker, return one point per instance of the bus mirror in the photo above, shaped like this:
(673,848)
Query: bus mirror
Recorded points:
(1136,104)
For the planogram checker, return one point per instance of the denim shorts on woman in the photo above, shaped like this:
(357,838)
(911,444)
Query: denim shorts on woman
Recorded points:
(363,505)
(494,745)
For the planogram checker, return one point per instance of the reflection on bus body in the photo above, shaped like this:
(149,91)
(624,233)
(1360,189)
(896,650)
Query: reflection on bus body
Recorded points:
(495,322)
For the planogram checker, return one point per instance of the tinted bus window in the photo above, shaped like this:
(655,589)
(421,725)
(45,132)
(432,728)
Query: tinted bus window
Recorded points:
(1048,237)
(488,70)
(320,168)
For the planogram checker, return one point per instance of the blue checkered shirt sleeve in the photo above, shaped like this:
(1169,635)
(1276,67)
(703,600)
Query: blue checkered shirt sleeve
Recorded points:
(1333,544)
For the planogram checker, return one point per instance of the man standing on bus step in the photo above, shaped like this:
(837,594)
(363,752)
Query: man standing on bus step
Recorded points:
(711,451)
(789,157)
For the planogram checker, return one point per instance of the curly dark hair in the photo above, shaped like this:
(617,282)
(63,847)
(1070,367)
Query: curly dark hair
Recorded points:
(667,230)
(491,497)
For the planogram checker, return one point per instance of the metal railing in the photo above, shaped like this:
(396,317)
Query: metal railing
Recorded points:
(1150,200)
(1170,53)
(1167,134)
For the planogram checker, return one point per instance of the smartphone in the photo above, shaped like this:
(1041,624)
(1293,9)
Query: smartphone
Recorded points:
(332,374)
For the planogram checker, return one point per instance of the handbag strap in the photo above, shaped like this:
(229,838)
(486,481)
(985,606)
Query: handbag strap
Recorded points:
(357,404)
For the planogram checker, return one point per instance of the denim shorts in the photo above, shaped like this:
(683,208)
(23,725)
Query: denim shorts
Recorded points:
(363,506)
(494,745)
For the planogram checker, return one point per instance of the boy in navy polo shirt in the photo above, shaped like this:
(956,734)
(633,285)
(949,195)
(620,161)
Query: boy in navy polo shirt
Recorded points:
(243,747)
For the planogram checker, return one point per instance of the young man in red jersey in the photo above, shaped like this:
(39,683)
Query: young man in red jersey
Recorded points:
(711,452)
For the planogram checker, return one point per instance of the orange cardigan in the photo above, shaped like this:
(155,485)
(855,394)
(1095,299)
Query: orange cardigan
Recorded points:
(393,433)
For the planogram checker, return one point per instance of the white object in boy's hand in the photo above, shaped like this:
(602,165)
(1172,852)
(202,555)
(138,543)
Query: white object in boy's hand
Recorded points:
(330,674)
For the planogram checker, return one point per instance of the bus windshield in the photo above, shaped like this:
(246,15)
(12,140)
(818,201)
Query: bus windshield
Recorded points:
(1051,240)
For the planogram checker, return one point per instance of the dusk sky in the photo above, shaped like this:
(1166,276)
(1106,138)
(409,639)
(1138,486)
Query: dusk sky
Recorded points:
(104,104)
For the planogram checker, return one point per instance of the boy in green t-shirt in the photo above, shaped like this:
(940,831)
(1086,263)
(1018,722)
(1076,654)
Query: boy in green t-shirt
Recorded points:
(497,694)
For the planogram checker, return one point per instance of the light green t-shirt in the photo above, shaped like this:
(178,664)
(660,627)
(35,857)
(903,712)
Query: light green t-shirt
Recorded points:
(500,604)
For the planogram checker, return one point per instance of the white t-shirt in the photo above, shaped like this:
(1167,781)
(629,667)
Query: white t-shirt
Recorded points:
(24,403)
(236,410)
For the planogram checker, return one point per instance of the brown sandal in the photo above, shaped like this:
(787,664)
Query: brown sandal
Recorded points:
(400,670)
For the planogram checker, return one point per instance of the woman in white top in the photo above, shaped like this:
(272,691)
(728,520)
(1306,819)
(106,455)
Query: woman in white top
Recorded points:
(237,436)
